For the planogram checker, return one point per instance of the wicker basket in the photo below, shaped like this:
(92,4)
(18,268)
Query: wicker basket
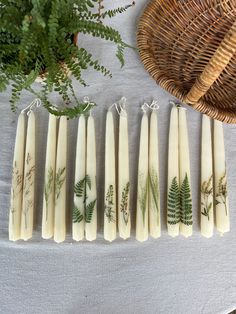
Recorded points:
(188,46)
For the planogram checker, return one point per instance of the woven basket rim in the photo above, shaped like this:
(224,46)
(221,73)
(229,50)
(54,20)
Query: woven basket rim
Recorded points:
(151,66)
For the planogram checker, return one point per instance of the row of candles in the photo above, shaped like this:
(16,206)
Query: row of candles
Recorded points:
(214,196)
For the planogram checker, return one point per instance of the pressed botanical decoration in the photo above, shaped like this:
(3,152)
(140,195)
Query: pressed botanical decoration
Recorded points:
(49,180)
(82,213)
(78,225)
(206,193)
(109,212)
(110,181)
(173,204)
(17,181)
(173,194)
(124,203)
(207,216)
(60,183)
(186,219)
(186,216)
(221,196)
(142,188)
(22,201)
(29,181)
(154,203)
(153,169)
(48,189)
(124,224)
(220,180)
(38,43)
(213,186)
(91,185)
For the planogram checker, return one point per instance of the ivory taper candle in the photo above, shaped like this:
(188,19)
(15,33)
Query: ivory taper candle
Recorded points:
(17,181)
(221,191)
(110,181)
(142,190)
(124,224)
(78,226)
(49,180)
(60,183)
(186,219)
(91,187)
(29,181)
(207,217)
(173,199)
(154,189)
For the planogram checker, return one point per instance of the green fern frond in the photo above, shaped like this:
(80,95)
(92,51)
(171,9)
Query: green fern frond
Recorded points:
(186,203)
(40,32)
(77,216)
(173,203)
(89,211)
(79,188)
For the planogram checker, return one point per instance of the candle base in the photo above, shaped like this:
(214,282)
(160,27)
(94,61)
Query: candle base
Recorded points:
(186,231)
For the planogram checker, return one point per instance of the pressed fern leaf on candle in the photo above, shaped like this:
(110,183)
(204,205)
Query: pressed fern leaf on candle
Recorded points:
(80,191)
(186,203)
(80,187)
(89,209)
(173,203)
(76,215)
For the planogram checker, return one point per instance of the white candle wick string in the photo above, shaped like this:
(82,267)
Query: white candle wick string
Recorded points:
(114,105)
(122,105)
(154,105)
(88,102)
(36,103)
(144,107)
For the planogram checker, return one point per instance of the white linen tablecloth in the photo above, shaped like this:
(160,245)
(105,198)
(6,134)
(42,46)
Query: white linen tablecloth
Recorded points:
(178,276)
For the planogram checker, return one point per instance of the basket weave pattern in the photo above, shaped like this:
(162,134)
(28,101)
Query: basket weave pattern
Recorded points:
(188,46)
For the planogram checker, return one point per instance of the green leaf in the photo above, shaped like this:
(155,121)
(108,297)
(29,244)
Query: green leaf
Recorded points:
(59,181)
(173,203)
(186,203)
(110,214)
(89,211)
(77,216)
(124,204)
(143,194)
(36,37)
(79,188)
(154,185)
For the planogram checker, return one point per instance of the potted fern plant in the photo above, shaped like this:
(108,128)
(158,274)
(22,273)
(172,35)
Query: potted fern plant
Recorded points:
(38,43)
